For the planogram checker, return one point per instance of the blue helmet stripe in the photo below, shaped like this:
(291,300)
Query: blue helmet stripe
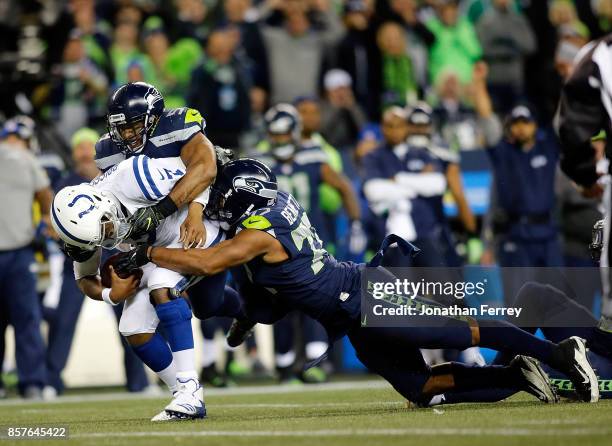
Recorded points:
(149,178)
(64,230)
(139,179)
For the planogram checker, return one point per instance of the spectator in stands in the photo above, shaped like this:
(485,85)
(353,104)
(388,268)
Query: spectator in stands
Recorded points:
(506,39)
(62,325)
(455,46)
(291,75)
(220,90)
(78,97)
(418,37)
(173,64)
(251,44)
(341,116)
(399,85)
(22,181)
(125,53)
(357,54)
(191,20)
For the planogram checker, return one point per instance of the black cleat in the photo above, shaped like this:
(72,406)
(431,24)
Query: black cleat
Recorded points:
(209,375)
(575,364)
(240,330)
(533,379)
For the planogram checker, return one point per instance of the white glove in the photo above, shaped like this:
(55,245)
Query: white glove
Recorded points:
(358,238)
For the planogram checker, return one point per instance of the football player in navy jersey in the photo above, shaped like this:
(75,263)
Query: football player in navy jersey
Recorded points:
(138,123)
(281,266)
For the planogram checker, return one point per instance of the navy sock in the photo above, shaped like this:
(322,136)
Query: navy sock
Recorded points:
(505,337)
(175,317)
(477,396)
(477,378)
(155,353)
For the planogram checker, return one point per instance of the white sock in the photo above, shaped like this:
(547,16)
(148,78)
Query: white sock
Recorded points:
(168,376)
(185,362)
(285,359)
(315,349)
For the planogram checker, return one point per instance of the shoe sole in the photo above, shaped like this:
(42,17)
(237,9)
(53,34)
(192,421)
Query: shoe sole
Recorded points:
(581,358)
(534,366)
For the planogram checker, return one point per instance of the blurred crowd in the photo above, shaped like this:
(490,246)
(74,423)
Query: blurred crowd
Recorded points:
(402,97)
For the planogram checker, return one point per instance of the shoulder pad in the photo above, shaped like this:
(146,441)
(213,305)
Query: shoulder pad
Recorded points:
(444,154)
(311,155)
(107,153)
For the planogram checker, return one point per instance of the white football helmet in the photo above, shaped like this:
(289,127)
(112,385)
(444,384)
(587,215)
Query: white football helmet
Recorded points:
(88,218)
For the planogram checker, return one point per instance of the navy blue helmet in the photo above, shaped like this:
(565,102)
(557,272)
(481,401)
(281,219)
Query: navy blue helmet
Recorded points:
(241,187)
(284,130)
(134,110)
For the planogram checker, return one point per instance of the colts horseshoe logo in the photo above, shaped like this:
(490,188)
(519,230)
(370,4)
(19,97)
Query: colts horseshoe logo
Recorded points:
(86,211)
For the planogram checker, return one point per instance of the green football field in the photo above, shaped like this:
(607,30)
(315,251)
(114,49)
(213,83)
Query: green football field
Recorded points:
(367,412)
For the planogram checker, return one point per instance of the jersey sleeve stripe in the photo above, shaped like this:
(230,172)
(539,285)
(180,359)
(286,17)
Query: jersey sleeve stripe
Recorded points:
(139,179)
(154,188)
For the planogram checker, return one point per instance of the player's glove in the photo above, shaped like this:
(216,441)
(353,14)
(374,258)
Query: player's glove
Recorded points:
(148,219)
(132,260)
(224,156)
(358,239)
(77,254)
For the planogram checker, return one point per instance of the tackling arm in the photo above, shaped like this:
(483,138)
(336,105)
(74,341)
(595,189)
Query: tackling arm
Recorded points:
(245,246)
(200,159)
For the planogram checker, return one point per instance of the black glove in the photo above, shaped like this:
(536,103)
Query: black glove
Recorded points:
(224,156)
(132,260)
(148,219)
(77,254)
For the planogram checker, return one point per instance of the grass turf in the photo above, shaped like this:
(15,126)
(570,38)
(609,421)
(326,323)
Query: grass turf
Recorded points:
(366,413)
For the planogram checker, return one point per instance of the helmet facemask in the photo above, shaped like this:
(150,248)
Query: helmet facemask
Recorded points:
(113,229)
(131,135)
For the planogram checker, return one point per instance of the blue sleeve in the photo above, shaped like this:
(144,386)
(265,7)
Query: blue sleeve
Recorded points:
(373,169)
(107,153)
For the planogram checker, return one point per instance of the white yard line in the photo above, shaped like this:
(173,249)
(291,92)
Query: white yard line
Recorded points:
(242,390)
(506,432)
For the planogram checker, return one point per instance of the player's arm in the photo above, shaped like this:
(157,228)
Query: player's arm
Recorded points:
(245,246)
(455,185)
(120,290)
(201,163)
(344,187)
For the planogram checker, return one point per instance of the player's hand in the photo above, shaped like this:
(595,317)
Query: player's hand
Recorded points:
(192,231)
(358,238)
(144,221)
(224,156)
(121,289)
(129,261)
(77,254)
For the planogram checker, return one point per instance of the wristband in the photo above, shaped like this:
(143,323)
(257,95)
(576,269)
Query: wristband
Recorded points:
(166,206)
(106,297)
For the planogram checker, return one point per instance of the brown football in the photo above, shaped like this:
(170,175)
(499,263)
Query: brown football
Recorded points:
(105,271)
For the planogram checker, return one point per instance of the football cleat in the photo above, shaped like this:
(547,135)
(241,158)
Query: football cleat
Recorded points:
(187,404)
(240,330)
(533,379)
(575,364)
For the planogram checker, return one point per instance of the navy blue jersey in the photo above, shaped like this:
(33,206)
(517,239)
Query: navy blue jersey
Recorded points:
(301,177)
(524,182)
(175,128)
(384,163)
(311,280)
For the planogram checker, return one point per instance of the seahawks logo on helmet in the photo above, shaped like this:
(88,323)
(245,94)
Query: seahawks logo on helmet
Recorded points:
(248,184)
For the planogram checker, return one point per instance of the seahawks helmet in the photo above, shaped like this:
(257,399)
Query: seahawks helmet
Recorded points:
(134,110)
(241,187)
(283,120)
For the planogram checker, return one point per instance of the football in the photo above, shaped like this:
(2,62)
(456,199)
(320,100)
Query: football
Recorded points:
(105,275)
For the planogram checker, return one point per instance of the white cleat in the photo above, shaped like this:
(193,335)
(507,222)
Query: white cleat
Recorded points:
(188,402)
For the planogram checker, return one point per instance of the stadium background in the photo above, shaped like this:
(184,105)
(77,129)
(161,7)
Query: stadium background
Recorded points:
(230,59)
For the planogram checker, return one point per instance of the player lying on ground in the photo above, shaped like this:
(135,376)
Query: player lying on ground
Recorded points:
(552,309)
(96,215)
(280,266)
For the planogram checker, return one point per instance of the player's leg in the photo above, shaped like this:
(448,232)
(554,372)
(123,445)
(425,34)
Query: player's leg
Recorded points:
(284,351)
(315,346)
(406,370)
(210,354)
(138,325)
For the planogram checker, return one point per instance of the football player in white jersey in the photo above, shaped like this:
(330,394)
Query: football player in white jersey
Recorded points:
(95,216)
